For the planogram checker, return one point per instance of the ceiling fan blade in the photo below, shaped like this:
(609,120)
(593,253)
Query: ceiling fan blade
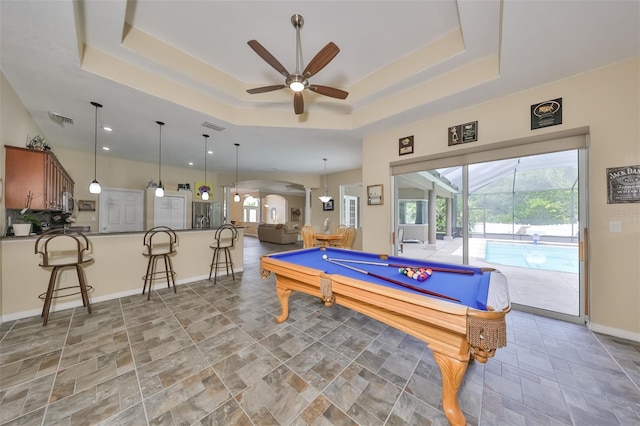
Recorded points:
(268,57)
(322,58)
(266,89)
(328,91)
(298,103)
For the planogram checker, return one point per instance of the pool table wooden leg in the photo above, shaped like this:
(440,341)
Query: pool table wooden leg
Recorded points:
(452,374)
(283,297)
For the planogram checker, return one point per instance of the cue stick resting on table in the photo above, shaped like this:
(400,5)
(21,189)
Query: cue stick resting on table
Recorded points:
(398,265)
(391,280)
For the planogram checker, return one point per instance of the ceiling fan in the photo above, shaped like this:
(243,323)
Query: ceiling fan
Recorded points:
(299,81)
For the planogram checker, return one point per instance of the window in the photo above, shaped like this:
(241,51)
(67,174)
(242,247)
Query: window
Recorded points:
(413,212)
(250,209)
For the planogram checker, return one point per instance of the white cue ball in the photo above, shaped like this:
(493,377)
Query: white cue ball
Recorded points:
(325,257)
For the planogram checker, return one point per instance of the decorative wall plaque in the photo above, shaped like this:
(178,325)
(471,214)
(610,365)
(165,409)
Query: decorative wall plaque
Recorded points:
(463,133)
(623,185)
(547,113)
(405,145)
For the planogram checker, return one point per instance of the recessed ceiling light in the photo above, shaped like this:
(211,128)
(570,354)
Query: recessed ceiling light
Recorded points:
(107,129)
(209,152)
(106,148)
(190,163)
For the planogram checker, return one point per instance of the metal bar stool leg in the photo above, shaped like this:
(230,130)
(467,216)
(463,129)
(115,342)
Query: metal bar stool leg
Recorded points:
(173,274)
(49,295)
(83,288)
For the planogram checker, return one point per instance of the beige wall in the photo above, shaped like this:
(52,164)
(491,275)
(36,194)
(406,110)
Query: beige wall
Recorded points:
(608,102)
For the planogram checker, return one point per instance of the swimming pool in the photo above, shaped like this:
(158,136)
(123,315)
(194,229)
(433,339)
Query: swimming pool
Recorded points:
(527,255)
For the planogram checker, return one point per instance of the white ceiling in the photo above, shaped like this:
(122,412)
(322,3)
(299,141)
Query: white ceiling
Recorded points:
(187,62)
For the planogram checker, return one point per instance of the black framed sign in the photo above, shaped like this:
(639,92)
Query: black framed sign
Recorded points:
(623,185)
(463,133)
(547,113)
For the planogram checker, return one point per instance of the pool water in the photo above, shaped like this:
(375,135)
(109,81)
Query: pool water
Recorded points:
(541,256)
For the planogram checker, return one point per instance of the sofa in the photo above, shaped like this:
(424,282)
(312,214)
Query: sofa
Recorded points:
(278,233)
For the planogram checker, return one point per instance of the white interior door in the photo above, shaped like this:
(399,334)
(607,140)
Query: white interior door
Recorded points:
(170,211)
(121,210)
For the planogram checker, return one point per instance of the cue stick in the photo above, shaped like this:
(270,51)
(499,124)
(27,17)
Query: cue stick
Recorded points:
(391,280)
(397,265)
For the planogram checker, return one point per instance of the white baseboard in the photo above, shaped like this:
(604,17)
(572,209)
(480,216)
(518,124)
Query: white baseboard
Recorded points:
(615,332)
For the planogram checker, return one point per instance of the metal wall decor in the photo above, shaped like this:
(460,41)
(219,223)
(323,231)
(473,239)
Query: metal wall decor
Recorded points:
(623,185)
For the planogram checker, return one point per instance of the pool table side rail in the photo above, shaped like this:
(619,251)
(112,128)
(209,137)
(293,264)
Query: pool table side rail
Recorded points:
(442,324)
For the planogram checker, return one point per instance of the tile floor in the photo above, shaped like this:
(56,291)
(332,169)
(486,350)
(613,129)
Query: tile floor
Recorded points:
(213,355)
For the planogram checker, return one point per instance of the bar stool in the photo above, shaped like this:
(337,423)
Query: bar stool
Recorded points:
(225,239)
(159,244)
(59,249)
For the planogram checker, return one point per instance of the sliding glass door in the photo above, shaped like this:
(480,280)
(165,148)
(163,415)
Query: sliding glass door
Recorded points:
(519,215)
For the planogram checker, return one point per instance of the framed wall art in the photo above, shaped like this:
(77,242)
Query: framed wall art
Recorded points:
(405,145)
(87,205)
(328,206)
(374,195)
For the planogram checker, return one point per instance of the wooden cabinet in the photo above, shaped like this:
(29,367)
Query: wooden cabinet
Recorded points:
(37,171)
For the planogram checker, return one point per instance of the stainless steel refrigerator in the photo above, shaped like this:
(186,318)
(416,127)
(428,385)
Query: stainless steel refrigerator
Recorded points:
(206,215)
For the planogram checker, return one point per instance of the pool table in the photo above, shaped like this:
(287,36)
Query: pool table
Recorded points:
(466,317)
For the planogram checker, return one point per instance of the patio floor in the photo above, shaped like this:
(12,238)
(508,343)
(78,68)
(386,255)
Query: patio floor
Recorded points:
(548,290)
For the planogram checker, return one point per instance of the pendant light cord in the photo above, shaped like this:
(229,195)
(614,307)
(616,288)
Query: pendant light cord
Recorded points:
(237,145)
(206,137)
(160,124)
(95,146)
(95,141)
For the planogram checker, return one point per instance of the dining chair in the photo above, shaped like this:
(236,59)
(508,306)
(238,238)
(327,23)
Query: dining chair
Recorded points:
(348,237)
(308,236)
(400,240)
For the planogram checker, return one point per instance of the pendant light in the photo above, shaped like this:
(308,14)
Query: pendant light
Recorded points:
(205,194)
(326,197)
(94,187)
(236,197)
(160,188)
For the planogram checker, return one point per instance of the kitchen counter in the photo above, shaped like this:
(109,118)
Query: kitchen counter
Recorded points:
(116,271)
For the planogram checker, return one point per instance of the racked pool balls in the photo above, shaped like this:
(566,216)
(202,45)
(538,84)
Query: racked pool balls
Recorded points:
(418,274)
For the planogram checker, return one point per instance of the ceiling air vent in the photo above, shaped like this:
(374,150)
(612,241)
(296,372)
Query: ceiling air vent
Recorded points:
(59,119)
(213,126)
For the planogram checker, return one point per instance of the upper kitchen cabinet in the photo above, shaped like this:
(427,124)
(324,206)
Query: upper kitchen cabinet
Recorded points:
(37,171)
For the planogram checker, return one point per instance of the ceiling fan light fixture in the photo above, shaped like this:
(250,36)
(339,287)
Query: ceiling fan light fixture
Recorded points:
(297,84)
(298,81)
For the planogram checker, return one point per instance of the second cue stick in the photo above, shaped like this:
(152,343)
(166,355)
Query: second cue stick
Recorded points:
(397,265)
(391,280)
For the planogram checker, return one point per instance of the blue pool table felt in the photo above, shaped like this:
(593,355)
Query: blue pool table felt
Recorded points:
(470,289)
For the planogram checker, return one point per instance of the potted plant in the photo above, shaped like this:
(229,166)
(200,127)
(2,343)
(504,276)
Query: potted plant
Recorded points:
(30,221)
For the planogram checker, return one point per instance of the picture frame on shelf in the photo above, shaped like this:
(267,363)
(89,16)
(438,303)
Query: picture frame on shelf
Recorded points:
(375,195)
